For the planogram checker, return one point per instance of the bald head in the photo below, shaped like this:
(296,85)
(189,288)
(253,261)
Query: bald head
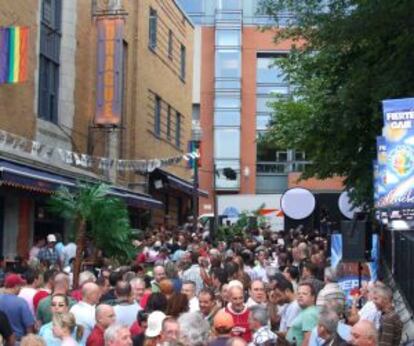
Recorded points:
(364,333)
(105,315)
(91,293)
(236,298)
(61,284)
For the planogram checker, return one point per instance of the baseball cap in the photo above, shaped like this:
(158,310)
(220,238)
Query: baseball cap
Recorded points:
(154,322)
(223,320)
(51,238)
(13,280)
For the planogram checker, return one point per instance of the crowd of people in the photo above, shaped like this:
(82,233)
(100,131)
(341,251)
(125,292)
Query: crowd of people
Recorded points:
(268,288)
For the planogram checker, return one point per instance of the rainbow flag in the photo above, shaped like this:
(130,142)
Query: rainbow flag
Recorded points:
(13,54)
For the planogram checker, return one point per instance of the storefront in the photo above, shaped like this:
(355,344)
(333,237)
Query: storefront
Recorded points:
(24,217)
(176,194)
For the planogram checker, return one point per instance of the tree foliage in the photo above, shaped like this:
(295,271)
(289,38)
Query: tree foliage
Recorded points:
(96,215)
(239,229)
(347,56)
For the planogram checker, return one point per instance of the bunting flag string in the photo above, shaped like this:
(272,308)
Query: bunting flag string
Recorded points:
(85,161)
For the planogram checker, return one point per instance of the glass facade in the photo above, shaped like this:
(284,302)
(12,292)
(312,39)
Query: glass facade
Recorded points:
(228,17)
(208,12)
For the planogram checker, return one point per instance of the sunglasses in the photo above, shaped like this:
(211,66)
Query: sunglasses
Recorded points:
(61,305)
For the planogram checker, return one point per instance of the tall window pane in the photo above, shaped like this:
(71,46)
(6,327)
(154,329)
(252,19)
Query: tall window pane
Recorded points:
(226,143)
(228,38)
(227,101)
(229,5)
(223,118)
(157,116)
(183,62)
(228,64)
(267,72)
(49,66)
(222,182)
(178,130)
(153,19)
(169,122)
(170,43)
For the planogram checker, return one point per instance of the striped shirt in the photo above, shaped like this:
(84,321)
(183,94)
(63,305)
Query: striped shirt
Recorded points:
(390,329)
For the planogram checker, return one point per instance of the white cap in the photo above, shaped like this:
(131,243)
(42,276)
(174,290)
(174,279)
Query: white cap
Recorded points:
(154,323)
(51,238)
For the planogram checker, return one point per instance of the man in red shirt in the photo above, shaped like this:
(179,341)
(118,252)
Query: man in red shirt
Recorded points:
(105,316)
(240,313)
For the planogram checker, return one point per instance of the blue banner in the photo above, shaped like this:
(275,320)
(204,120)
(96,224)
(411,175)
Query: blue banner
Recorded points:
(399,138)
(348,272)
(380,171)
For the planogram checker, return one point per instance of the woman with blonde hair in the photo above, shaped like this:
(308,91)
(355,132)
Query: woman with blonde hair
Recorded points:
(64,325)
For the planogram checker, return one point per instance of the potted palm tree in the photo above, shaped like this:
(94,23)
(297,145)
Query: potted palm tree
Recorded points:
(96,214)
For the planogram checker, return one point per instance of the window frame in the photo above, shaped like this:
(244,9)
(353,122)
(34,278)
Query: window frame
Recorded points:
(152,30)
(49,61)
(157,116)
(169,122)
(178,118)
(170,44)
(183,62)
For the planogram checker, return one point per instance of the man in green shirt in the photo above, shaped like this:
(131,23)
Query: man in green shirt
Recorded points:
(61,286)
(300,331)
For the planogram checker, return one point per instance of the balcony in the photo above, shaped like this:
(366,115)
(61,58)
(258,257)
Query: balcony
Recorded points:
(272,168)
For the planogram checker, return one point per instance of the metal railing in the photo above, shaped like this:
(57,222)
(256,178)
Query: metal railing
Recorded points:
(404,260)
(281,167)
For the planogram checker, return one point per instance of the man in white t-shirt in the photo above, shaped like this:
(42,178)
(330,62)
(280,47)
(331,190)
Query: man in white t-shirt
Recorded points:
(84,311)
(126,308)
(284,290)
(189,289)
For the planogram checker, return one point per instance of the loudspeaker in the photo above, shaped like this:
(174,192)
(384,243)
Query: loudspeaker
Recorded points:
(356,241)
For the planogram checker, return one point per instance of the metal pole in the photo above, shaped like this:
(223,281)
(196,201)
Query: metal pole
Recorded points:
(216,222)
(195,190)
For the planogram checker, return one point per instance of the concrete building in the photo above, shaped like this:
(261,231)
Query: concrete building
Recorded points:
(49,120)
(234,78)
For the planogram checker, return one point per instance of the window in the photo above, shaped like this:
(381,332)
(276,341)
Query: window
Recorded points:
(264,104)
(170,44)
(225,118)
(196,111)
(169,122)
(227,38)
(272,89)
(49,59)
(228,64)
(267,72)
(153,19)
(262,122)
(157,116)
(183,62)
(178,130)
(226,143)
(228,84)
(227,101)
(192,6)
(228,5)
(221,181)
